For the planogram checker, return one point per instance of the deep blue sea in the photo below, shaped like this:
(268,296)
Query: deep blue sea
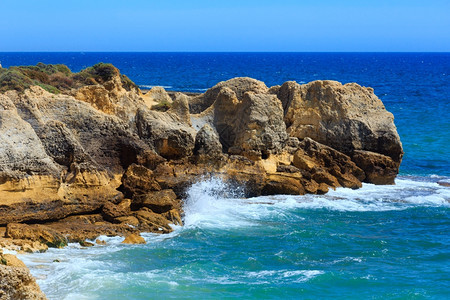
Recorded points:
(378,242)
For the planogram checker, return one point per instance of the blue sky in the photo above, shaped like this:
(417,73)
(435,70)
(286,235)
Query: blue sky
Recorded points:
(208,25)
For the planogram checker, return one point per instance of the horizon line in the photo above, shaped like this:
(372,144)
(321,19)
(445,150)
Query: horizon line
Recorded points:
(224,51)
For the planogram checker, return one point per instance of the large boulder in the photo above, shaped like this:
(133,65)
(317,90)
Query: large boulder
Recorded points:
(345,117)
(168,134)
(251,126)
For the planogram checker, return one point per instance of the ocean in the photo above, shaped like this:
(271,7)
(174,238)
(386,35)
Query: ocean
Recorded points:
(377,242)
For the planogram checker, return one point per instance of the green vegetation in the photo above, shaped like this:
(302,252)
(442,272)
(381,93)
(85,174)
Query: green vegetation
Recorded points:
(58,78)
(57,242)
(162,106)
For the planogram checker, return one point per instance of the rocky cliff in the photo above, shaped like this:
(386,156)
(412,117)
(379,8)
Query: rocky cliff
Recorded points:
(84,154)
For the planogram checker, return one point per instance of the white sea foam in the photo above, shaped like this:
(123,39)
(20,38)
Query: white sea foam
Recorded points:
(281,275)
(146,86)
(213,203)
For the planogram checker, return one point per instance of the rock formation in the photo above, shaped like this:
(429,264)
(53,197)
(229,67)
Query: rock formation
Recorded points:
(16,281)
(87,154)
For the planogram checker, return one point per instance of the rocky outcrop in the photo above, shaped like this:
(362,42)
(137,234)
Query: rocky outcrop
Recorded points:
(239,86)
(346,117)
(251,126)
(96,157)
(16,282)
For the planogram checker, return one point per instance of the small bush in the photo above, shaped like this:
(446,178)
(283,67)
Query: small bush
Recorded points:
(162,106)
(49,88)
(128,84)
(14,80)
(34,74)
(101,72)
(57,78)
(61,81)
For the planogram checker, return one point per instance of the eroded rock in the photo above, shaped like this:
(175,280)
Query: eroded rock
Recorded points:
(16,282)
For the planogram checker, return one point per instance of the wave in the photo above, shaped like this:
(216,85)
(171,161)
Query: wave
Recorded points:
(146,86)
(213,203)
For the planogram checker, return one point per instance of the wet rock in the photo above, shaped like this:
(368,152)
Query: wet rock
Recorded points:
(100,242)
(379,168)
(152,222)
(134,239)
(86,244)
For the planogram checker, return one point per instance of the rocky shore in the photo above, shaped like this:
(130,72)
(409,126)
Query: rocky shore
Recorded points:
(88,154)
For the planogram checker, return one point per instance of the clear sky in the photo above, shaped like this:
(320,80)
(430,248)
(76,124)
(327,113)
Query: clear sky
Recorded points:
(228,25)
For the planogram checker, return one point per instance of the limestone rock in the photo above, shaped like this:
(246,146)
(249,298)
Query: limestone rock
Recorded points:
(72,160)
(207,148)
(128,220)
(134,239)
(327,165)
(11,261)
(76,232)
(21,151)
(22,246)
(157,94)
(36,232)
(345,117)
(16,282)
(111,211)
(239,85)
(152,222)
(138,180)
(100,242)
(283,184)
(379,168)
(112,95)
(180,108)
(252,127)
(166,132)
(86,244)
(173,216)
(158,201)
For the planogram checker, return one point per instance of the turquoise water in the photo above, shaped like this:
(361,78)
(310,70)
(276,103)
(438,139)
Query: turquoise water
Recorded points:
(373,243)
(377,242)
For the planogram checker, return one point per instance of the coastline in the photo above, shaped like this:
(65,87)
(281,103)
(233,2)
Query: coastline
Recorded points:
(150,148)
